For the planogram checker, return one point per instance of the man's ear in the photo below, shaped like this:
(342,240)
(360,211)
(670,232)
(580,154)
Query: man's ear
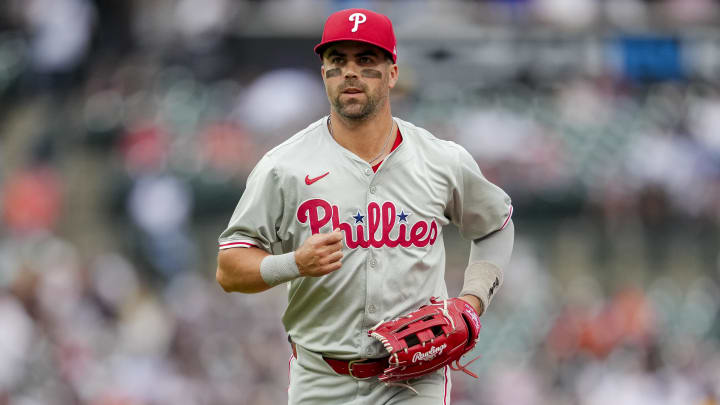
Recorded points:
(322,71)
(393,74)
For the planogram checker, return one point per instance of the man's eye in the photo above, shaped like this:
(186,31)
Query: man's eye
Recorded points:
(365,60)
(336,60)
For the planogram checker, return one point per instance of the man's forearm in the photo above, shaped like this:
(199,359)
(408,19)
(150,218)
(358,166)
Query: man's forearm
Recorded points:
(488,258)
(252,270)
(239,270)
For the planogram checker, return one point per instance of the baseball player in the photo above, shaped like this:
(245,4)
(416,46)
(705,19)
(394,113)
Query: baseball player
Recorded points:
(348,214)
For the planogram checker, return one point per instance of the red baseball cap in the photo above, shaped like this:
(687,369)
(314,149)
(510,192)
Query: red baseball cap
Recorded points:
(357,24)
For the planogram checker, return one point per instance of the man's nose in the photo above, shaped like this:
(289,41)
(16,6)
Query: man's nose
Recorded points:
(350,70)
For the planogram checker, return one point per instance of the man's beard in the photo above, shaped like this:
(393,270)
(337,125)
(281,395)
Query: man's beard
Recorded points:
(346,110)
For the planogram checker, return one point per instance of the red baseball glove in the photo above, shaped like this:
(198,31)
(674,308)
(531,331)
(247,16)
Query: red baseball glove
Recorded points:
(429,338)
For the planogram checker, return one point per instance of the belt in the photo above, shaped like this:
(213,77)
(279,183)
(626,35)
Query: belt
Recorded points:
(359,369)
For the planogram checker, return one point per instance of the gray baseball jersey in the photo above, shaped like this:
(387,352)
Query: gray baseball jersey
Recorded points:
(392,220)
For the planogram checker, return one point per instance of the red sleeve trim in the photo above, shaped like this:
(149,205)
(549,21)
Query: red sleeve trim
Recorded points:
(507,220)
(237,244)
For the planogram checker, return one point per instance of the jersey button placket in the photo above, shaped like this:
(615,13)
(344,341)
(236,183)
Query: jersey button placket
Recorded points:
(374,286)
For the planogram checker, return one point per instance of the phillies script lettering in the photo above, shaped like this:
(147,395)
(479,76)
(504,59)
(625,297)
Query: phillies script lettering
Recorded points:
(430,354)
(318,213)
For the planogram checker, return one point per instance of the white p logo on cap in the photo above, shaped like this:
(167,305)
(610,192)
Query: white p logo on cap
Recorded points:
(358,18)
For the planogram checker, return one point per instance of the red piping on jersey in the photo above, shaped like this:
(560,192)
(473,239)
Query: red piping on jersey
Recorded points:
(238,244)
(507,219)
(398,139)
(445,392)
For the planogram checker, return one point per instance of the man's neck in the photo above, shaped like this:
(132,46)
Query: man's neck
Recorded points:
(364,138)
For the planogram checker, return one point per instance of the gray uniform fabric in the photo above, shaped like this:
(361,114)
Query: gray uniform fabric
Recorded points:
(394,257)
(313,382)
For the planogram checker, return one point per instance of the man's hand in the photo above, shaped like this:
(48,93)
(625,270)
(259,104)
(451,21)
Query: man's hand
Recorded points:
(474,302)
(320,254)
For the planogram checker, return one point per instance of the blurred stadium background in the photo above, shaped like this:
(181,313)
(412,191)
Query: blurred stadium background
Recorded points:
(127,130)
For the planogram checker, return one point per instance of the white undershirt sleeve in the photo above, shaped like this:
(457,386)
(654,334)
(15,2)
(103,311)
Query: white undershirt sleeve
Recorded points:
(489,256)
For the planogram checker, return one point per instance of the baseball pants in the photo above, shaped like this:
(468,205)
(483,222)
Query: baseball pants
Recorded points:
(313,382)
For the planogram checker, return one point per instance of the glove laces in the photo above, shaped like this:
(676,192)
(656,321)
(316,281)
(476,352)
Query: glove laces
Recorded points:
(447,314)
(404,385)
(455,365)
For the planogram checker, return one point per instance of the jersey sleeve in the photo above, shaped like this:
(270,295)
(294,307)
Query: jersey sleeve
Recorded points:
(255,219)
(477,206)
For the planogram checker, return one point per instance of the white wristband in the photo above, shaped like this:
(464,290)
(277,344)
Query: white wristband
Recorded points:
(483,280)
(278,269)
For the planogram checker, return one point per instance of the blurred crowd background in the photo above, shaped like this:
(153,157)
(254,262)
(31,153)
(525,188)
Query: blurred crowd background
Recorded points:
(128,127)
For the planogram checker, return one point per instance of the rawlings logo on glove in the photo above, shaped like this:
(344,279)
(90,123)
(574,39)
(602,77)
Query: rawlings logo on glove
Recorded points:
(427,339)
(430,354)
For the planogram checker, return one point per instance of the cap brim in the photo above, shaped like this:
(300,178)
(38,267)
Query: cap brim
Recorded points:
(320,48)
